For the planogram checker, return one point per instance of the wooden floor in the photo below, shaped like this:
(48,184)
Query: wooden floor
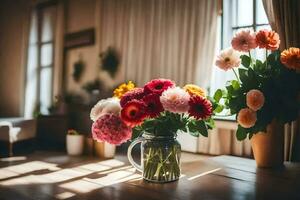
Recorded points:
(49,175)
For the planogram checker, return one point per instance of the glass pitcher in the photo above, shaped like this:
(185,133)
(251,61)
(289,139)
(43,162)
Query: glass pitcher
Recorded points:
(160,158)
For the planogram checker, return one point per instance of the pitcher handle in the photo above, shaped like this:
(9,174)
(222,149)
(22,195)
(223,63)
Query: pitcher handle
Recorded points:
(132,162)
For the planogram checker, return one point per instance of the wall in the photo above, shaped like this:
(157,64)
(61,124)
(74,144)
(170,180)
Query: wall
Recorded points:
(14,19)
(80,15)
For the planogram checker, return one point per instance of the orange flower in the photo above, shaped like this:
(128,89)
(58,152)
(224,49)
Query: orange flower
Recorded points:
(267,39)
(246,118)
(291,58)
(255,99)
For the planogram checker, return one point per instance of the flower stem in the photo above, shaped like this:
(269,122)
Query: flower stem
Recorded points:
(236,75)
(250,58)
(266,57)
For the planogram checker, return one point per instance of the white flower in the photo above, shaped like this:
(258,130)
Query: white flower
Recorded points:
(109,105)
(228,59)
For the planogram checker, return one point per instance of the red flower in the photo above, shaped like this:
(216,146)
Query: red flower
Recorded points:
(136,93)
(267,39)
(133,113)
(153,105)
(200,108)
(157,86)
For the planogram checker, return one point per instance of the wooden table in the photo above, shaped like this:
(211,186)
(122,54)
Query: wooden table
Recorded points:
(223,177)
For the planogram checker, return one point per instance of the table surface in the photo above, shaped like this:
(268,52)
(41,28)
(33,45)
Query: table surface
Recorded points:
(57,176)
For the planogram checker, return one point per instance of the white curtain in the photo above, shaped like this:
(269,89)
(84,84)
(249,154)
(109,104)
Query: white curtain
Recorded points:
(167,38)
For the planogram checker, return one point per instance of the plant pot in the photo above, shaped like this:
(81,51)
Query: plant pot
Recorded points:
(104,149)
(75,144)
(268,147)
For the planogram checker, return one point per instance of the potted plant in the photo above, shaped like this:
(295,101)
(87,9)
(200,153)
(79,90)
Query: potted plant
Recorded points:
(265,94)
(153,115)
(75,142)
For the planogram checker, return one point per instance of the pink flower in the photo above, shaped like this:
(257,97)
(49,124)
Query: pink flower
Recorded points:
(246,118)
(110,128)
(255,99)
(268,40)
(244,41)
(228,59)
(175,100)
(158,86)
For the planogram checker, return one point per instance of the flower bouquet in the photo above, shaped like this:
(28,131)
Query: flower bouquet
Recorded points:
(264,91)
(153,115)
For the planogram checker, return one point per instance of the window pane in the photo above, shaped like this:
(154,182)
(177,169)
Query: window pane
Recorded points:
(31,81)
(242,12)
(261,17)
(33,29)
(45,89)
(48,23)
(46,54)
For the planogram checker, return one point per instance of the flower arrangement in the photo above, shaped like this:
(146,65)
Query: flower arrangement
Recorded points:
(159,108)
(156,111)
(263,90)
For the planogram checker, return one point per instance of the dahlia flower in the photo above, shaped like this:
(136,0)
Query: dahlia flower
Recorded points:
(291,58)
(244,41)
(136,93)
(123,88)
(194,90)
(158,86)
(255,99)
(246,118)
(200,108)
(175,100)
(109,105)
(267,39)
(228,59)
(110,128)
(133,113)
(153,105)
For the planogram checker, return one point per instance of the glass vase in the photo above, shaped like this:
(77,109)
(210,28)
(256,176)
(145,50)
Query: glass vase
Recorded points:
(160,158)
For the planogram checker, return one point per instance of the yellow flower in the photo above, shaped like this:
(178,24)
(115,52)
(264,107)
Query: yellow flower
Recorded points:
(194,90)
(123,88)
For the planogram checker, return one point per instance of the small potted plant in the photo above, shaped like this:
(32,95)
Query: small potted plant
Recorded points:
(75,142)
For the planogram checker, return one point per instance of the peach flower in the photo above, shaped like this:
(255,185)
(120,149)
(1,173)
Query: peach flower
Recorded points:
(244,41)
(255,99)
(291,58)
(267,39)
(246,118)
(228,59)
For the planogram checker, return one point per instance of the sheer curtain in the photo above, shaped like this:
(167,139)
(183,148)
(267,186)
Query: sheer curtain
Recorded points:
(168,38)
(284,18)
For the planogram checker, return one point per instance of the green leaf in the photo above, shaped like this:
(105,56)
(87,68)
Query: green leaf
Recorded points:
(241,133)
(219,108)
(243,73)
(235,84)
(218,95)
(202,128)
(246,60)
(197,126)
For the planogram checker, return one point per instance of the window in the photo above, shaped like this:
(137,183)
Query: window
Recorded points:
(237,15)
(40,62)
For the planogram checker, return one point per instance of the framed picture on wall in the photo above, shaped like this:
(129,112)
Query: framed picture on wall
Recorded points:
(80,39)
